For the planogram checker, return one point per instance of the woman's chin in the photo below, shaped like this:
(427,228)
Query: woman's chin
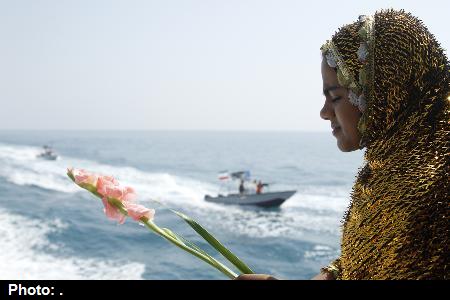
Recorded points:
(346,146)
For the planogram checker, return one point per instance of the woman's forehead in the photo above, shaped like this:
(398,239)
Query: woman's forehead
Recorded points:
(329,75)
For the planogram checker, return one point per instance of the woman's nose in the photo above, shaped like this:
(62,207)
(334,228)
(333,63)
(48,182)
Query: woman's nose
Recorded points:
(326,112)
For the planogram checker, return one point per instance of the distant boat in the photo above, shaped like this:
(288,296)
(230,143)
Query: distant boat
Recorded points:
(48,154)
(269,199)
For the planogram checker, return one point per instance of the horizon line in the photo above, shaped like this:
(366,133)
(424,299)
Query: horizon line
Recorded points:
(170,130)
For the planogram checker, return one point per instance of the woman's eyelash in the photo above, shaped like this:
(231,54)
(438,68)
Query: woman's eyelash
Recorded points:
(336,99)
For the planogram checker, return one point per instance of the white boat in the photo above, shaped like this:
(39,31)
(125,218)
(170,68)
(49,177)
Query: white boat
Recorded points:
(48,154)
(268,199)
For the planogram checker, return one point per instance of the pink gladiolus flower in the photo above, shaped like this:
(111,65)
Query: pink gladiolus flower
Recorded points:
(81,176)
(113,212)
(109,187)
(137,211)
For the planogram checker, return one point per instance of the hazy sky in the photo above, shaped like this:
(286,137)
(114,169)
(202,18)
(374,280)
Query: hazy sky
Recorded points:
(166,64)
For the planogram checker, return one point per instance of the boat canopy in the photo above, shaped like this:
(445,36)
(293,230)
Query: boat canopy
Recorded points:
(240,175)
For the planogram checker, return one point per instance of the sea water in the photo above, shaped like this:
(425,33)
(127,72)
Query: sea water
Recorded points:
(52,229)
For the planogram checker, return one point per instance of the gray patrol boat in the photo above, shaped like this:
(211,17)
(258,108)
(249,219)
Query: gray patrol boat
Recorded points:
(246,197)
(268,199)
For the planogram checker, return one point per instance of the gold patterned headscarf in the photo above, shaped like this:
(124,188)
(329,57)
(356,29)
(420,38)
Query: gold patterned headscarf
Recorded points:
(397,224)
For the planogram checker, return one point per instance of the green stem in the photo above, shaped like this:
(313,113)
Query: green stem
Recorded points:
(230,256)
(152,226)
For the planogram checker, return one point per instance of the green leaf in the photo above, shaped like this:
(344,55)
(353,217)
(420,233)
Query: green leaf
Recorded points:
(172,234)
(215,243)
(193,249)
(185,241)
(69,173)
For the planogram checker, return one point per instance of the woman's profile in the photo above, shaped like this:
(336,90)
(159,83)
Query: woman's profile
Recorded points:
(386,82)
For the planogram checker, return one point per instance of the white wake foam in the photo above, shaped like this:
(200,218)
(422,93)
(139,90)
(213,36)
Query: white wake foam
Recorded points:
(23,256)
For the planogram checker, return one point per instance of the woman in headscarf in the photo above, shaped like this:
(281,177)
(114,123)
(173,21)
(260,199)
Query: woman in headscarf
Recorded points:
(387,89)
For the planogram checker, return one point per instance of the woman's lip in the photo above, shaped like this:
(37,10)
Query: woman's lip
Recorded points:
(335,130)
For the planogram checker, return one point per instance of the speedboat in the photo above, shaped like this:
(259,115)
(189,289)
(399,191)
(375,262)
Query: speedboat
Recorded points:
(48,154)
(247,196)
(269,199)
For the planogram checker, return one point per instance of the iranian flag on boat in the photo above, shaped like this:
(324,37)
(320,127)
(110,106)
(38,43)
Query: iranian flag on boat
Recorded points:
(224,175)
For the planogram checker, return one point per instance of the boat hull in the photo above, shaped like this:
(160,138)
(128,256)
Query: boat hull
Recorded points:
(270,199)
(48,156)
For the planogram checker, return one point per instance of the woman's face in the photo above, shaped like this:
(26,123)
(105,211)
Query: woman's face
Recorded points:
(337,108)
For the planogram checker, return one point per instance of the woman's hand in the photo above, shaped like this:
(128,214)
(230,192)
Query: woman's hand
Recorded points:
(321,276)
(255,277)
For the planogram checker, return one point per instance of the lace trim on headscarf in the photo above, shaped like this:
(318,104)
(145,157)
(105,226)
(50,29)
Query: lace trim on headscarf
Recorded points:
(334,60)
(359,91)
(366,76)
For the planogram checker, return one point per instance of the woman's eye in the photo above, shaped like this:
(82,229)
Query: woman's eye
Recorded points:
(336,99)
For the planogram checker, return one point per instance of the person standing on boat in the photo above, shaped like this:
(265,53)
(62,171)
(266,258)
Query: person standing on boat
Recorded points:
(241,187)
(259,187)
(386,82)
